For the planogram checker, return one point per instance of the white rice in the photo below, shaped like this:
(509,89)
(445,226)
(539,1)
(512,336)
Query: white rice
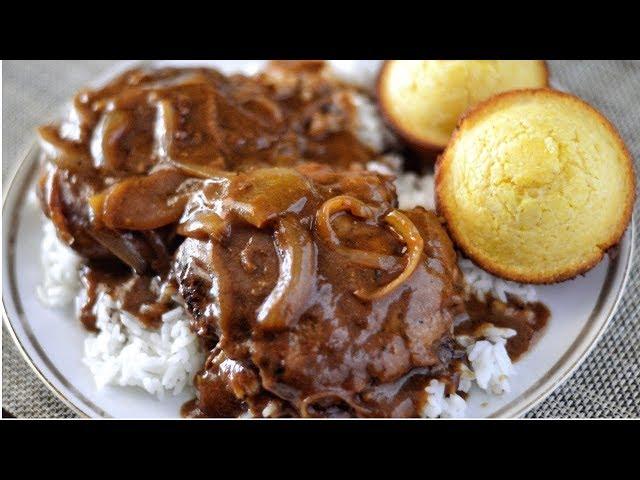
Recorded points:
(491,366)
(481,282)
(270,410)
(370,127)
(489,370)
(163,361)
(123,353)
(440,405)
(356,72)
(415,190)
(60,264)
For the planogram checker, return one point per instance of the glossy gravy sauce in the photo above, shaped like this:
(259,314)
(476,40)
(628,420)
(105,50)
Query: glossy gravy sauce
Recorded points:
(527,319)
(221,191)
(141,296)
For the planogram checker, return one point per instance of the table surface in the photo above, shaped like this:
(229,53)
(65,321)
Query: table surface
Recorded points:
(606,385)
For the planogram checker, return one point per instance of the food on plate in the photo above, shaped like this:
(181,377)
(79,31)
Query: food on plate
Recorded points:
(149,138)
(423,99)
(242,238)
(321,309)
(535,186)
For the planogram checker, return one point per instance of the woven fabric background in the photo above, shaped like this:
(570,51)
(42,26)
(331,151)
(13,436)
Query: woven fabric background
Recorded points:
(606,385)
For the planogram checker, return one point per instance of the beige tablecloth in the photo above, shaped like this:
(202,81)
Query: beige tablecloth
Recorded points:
(606,385)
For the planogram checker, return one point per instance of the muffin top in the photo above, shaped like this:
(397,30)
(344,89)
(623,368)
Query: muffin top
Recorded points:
(425,98)
(535,186)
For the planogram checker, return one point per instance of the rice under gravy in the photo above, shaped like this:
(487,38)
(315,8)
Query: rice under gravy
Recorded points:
(164,361)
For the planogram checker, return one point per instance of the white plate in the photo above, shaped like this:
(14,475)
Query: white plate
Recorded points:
(52,340)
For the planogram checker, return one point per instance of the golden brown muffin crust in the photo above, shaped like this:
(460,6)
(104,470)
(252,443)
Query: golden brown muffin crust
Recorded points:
(426,149)
(442,168)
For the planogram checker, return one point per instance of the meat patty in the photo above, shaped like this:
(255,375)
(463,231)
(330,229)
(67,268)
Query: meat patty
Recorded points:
(331,350)
(312,292)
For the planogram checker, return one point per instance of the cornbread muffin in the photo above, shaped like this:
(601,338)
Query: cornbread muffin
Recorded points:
(535,185)
(423,99)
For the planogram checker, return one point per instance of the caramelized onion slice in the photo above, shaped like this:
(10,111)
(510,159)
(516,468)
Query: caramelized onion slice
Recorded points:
(122,247)
(264,194)
(104,145)
(178,125)
(203,171)
(96,206)
(143,203)
(64,153)
(203,216)
(54,205)
(120,141)
(415,246)
(358,209)
(297,255)
(202,225)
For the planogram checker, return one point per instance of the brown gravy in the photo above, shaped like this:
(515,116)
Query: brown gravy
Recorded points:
(134,293)
(527,319)
(248,199)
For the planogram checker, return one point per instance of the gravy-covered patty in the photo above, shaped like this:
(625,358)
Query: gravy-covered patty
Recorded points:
(244,204)
(247,200)
(129,154)
(336,295)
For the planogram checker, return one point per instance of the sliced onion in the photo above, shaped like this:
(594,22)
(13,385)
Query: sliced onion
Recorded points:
(262,195)
(104,150)
(96,206)
(415,247)
(297,256)
(54,204)
(143,202)
(64,153)
(121,247)
(203,171)
(263,106)
(165,126)
(203,224)
(359,209)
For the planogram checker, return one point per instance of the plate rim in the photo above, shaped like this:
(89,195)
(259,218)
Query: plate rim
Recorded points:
(575,355)
(28,153)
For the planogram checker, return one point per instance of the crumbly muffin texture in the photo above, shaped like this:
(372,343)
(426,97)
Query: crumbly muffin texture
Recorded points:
(536,185)
(425,98)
